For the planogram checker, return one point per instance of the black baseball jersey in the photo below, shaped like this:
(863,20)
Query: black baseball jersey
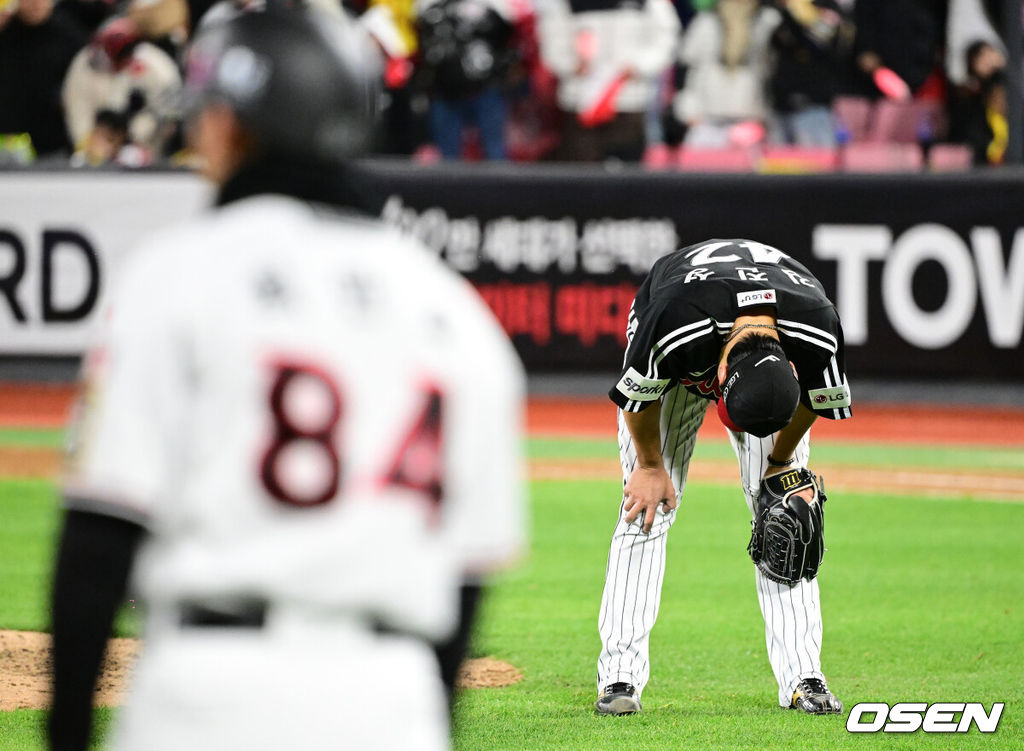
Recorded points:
(686,307)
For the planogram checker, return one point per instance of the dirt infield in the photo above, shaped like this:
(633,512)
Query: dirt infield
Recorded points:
(28,405)
(26,662)
(44,405)
(487,672)
(874,423)
(1003,485)
(29,462)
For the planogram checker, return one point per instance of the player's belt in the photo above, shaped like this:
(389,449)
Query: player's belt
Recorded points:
(249,613)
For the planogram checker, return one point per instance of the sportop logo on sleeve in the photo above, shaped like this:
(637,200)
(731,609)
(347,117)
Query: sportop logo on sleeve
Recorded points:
(909,717)
(641,389)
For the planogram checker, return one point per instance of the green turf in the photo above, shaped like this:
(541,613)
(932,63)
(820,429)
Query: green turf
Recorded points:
(28,526)
(29,522)
(572,448)
(47,437)
(867,455)
(24,730)
(923,601)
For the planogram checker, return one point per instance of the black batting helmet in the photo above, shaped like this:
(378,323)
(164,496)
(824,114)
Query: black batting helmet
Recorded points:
(301,81)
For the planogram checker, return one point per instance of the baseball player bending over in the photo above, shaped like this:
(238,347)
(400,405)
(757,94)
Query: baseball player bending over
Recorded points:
(286,439)
(744,324)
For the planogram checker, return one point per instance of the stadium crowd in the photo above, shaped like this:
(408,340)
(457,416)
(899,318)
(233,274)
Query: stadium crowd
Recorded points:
(777,85)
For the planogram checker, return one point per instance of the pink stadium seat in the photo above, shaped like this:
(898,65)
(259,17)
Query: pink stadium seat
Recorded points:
(852,113)
(905,122)
(797,159)
(729,159)
(950,157)
(658,156)
(427,154)
(882,157)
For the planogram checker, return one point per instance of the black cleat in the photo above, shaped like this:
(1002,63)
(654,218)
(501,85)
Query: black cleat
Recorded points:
(618,698)
(813,697)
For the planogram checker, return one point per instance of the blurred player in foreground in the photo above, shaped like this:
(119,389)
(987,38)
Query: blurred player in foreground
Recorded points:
(745,325)
(285,439)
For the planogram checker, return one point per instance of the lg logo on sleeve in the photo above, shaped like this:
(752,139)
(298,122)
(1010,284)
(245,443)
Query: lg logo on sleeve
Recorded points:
(909,717)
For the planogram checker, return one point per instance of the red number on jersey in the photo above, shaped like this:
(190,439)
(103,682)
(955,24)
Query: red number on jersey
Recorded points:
(301,467)
(418,465)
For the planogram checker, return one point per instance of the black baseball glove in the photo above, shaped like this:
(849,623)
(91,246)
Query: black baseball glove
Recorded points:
(788,537)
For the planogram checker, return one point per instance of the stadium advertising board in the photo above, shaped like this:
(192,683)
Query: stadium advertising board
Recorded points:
(927,271)
(63,238)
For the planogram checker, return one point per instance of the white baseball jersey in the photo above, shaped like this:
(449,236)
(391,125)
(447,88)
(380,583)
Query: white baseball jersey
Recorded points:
(305,407)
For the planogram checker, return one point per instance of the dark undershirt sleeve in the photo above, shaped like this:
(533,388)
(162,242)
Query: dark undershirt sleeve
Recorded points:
(451,653)
(93,563)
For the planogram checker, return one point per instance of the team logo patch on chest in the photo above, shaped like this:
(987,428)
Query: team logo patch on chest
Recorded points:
(706,384)
(756,297)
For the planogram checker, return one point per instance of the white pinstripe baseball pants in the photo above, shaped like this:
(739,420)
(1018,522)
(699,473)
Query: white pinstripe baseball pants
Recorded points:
(636,564)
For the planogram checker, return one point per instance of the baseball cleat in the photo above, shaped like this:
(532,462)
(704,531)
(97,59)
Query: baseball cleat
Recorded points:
(813,697)
(618,698)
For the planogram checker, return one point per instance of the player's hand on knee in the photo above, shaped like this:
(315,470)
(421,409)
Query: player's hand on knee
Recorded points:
(646,489)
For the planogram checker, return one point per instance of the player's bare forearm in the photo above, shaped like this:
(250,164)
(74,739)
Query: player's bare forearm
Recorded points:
(787,439)
(645,427)
(649,485)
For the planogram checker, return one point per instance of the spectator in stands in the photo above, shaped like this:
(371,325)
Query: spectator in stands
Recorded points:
(163,23)
(812,46)
(608,56)
(104,144)
(89,14)
(196,10)
(903,36)
(978,108)
(36,46)
(403,14)
(122,72)
(686,9)
(725,55)
(224,10)
(533,122)
(466,52)
(968,23)
(402,125)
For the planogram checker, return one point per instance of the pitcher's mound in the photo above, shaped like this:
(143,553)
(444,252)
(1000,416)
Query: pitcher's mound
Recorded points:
(26,659)
(25,664)
(487,672)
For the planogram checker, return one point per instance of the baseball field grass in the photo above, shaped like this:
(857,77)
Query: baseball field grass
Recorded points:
(923,601)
